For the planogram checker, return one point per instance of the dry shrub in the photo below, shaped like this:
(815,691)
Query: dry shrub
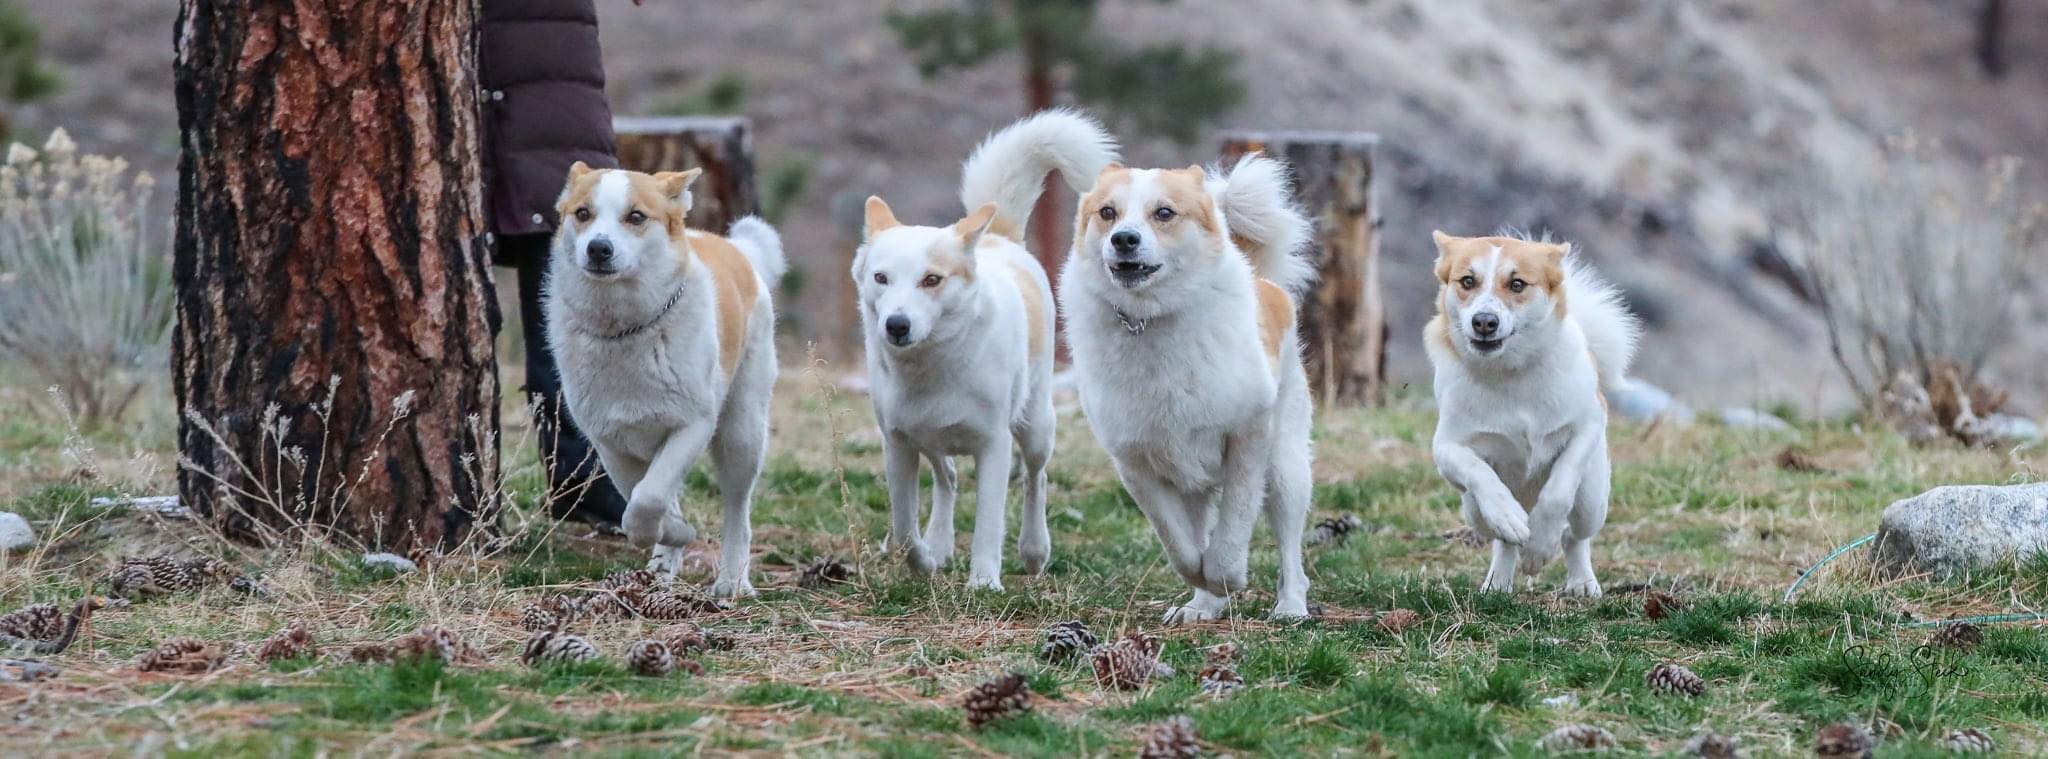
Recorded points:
(1918,271)
(85,283)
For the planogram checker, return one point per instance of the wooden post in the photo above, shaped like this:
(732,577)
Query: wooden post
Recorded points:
(1343,316)
(333,360)
(723,146)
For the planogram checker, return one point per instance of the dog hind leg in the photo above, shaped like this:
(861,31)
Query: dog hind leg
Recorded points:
(1288,489)
(1587,517)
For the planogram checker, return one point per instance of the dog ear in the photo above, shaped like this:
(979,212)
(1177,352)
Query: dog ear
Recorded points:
(1443,262)
(577,170)
(1109,168)
(971,229)
(879,218)
(676,185)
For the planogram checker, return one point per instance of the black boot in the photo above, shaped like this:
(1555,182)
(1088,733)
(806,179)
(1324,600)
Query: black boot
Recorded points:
(575,489)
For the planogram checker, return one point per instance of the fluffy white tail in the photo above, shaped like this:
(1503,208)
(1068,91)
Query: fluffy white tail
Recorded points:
(1009,167)
(1258,207)
(762,246)
(1611,330)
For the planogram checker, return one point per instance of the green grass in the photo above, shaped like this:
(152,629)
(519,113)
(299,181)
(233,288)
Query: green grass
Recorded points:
(879,666)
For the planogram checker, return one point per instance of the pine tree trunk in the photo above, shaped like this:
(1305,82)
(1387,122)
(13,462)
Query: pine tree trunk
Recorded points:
(1343,317)
(333,357)
(722,146)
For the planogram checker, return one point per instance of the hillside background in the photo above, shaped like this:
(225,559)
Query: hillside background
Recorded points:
(1665,137)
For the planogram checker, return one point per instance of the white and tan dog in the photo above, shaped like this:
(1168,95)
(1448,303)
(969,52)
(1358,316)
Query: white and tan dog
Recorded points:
(666,341)
(959,325)
(1179,313)
(1525,341)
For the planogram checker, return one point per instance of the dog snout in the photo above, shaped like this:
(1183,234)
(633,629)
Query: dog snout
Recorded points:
(599,252)
(1485,324)
(1125,242)
(898,328)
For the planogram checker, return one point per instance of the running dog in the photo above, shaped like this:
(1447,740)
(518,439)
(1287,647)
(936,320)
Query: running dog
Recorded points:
(666,341)
(1179,298)
(959,327)
(1525,341)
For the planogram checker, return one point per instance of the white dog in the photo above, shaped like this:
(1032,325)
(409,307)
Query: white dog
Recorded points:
(1524,342)
(1177,297)
(959,325)
(666,341)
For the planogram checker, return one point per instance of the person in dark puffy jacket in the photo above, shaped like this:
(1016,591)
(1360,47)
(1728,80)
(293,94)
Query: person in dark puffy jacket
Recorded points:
(544,109)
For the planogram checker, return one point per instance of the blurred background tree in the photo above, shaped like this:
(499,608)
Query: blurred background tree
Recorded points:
(23,77)
(1163,90)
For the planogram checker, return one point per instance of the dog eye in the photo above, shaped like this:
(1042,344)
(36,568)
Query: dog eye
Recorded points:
(583,215)
(881,279)
(1163,214)
(1516,284)
(1468,282)
(930,280)
(636,218)
(1108,213)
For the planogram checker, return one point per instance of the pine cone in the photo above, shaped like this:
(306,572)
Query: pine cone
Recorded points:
(1577,738)
(548,645)
(663,606)
(1969,741)
(643,579)
(650,658)
(996,699)
(36,622)
(1333,530)
(554,612)
(686,637)
(146,577)
(823,572)
(1172,739)
(1961,636)
(430,641)
(248,586)
(292,642)
(1222,654)
(1399,621)
(1220,681)
(1674,679)
(1066,641)
(1129,662)
(423,557)
(1463,535)
(1798,460)
(1843,739)
(1658,605)
(1712,746)
(205,571)
(182,655)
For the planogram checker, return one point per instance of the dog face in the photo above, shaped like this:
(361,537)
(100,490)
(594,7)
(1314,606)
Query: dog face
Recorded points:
(1495,288)
(1146,227)
(910,277)
(621,224)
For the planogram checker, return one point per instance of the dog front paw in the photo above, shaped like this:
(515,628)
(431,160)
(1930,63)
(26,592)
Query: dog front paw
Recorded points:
(1226,575)
(733,587)
(991,583)
(1187,615)
(1505,519)
(1035,555)
(642,522)
(1586,588)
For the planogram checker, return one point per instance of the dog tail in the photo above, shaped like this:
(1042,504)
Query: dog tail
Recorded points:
(762,247)
(1009,168)
(1258,207)
(1611,329)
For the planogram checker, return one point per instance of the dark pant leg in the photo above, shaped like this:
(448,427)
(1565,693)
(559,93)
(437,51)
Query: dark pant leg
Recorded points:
(575,490)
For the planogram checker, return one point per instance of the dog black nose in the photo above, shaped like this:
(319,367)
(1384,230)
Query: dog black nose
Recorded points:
(1125,242)
(1485,324)
(599,250)
(897,326)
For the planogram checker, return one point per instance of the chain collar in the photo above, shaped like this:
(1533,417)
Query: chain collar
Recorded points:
(1133,326)
(644,326)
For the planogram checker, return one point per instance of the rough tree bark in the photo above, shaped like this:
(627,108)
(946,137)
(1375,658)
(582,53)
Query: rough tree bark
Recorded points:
(722,146)
(333,356)
(1343,317)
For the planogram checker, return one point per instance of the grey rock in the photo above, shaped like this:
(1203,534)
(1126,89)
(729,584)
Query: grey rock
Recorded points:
(1956,529)
(1642,402)
(15,534)
(395,562)
(1743,418)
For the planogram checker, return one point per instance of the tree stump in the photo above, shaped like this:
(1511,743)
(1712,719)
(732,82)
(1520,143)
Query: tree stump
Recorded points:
(720,145)
(1343,316)
(333,358)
